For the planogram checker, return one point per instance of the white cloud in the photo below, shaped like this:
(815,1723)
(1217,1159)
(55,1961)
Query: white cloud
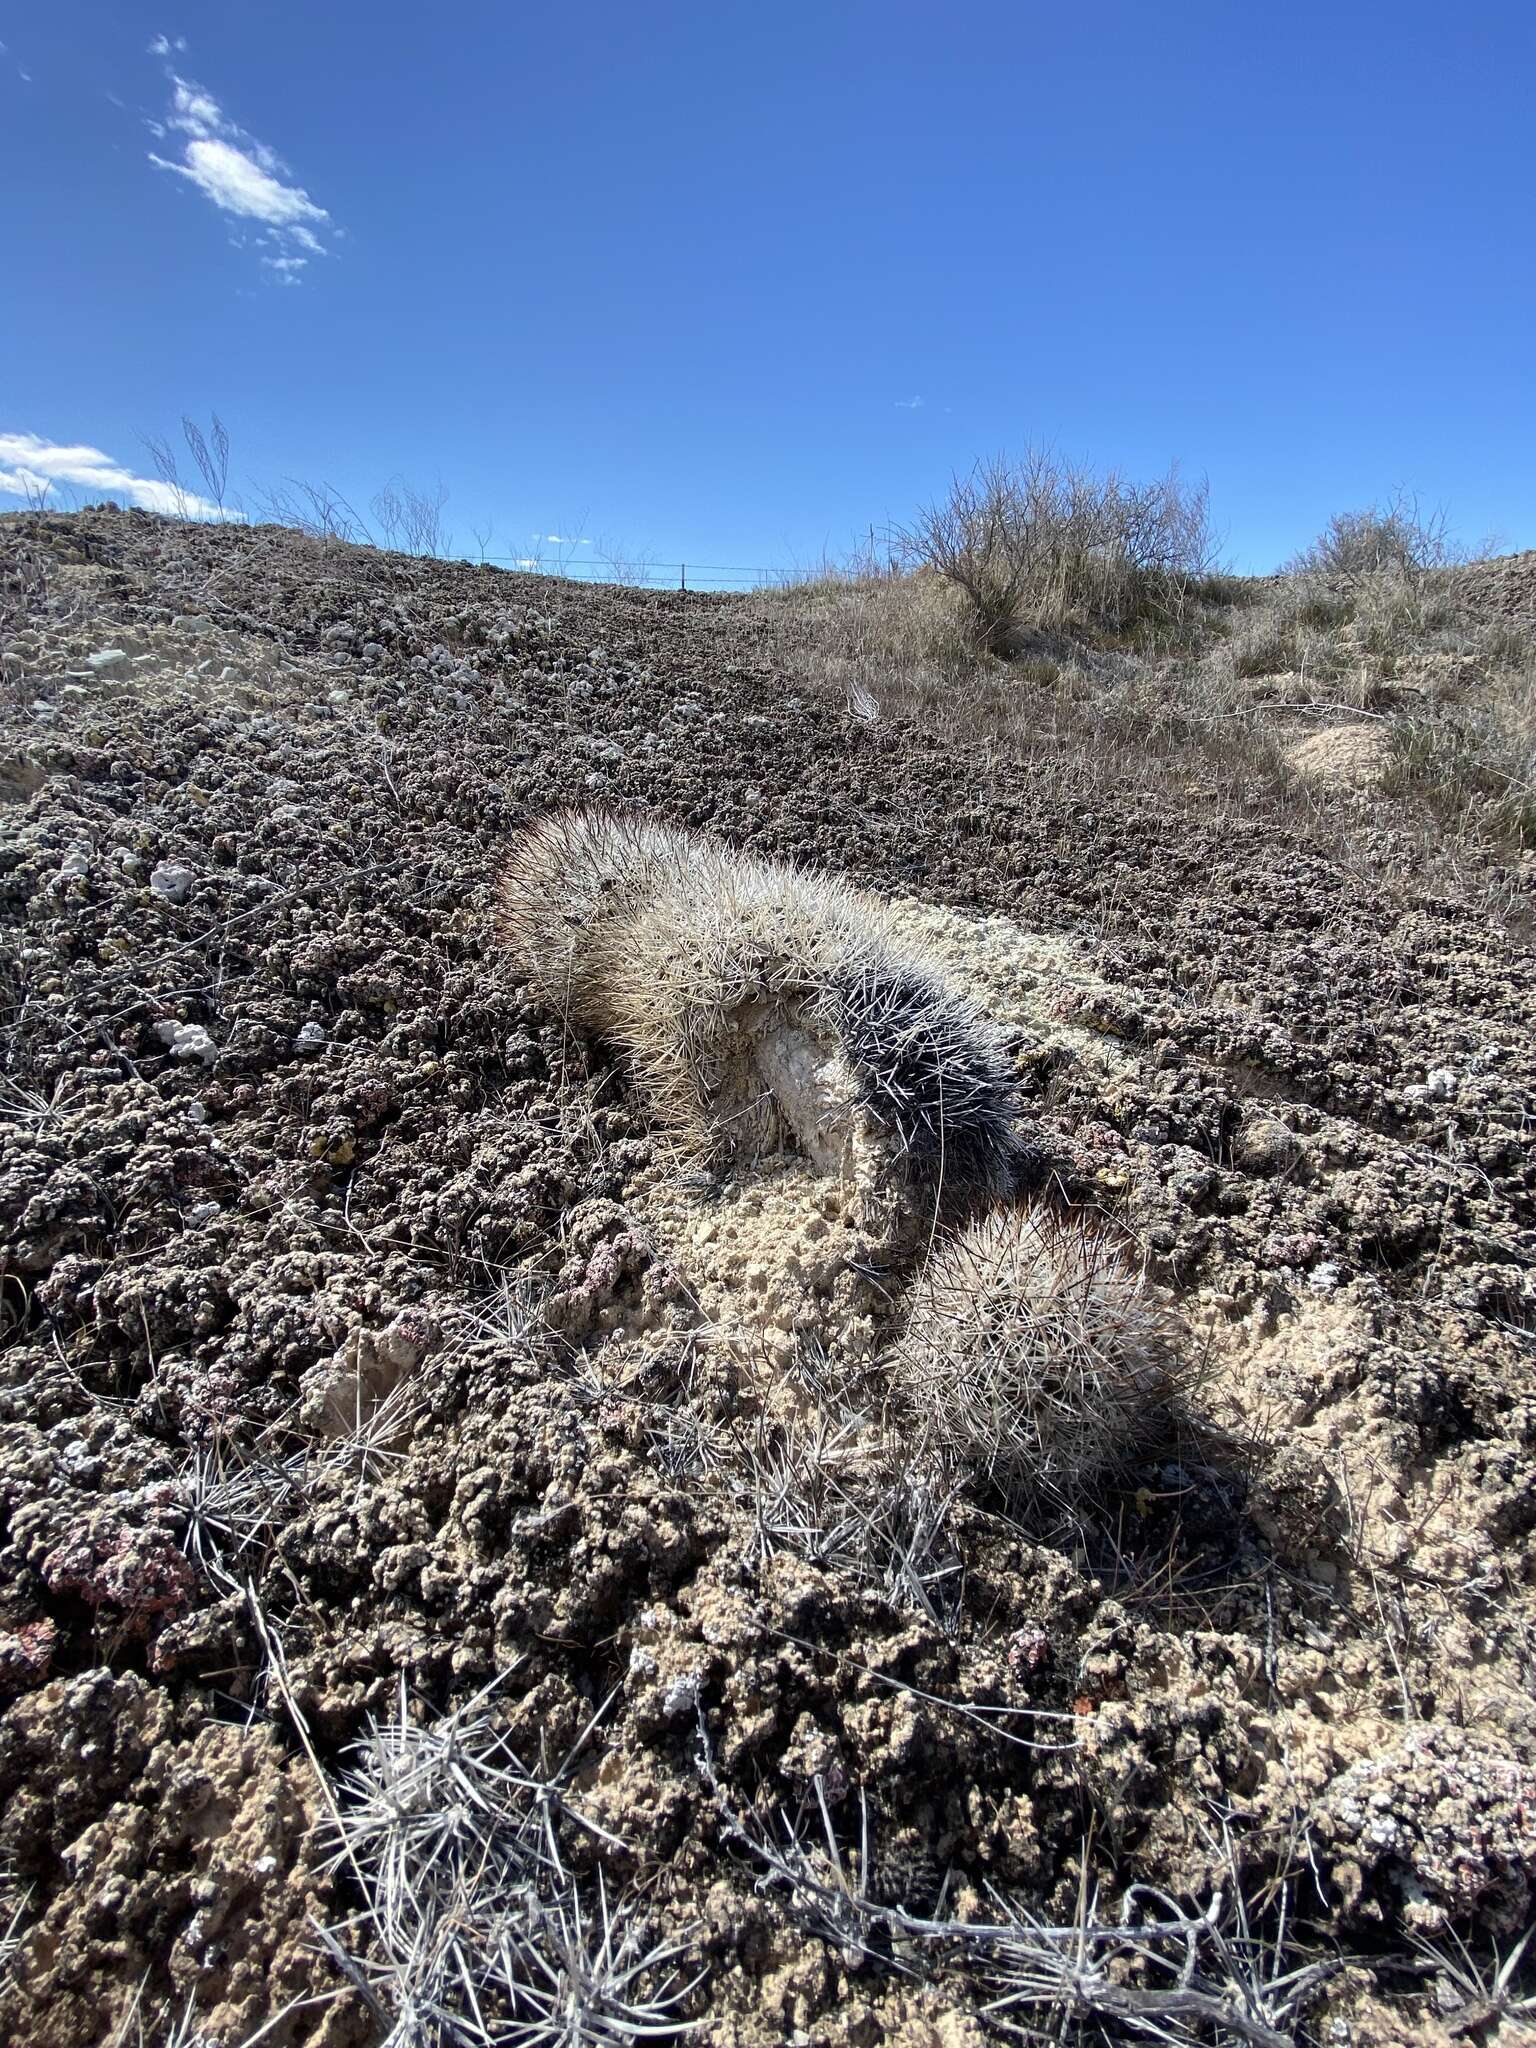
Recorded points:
(162,46)
(564,540)
(237,184)
(908,404)
(241,176)
(28,464)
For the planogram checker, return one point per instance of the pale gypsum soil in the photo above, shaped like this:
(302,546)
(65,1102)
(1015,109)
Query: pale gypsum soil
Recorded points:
(283,1140)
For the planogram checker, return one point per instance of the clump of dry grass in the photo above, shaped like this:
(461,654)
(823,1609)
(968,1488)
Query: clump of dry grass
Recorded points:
(1475,768)
(1035,1359)
(833,1487)
(761,1008)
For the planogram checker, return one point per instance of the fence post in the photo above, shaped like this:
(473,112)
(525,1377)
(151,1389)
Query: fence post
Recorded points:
(682,582)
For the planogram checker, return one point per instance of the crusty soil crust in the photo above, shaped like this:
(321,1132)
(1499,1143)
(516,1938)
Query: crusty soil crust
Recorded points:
(286,1141)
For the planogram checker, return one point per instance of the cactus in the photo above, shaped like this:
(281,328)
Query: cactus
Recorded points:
(1035,1360)
(761,1007)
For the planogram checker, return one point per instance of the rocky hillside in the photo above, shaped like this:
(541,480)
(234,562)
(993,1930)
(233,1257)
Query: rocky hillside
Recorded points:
(398,1533)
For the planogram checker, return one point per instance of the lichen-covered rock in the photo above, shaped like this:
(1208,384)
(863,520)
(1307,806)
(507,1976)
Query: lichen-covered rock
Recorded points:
(1438,1829)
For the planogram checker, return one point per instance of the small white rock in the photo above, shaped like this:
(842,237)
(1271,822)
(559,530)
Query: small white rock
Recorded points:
(187,1041)
(311,1037)
(172,881)
(107,658)
(681,1696)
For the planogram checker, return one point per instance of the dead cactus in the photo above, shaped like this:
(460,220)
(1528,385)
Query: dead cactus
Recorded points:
(761,1008)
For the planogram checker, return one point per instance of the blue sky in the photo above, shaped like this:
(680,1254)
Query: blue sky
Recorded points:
(732,283)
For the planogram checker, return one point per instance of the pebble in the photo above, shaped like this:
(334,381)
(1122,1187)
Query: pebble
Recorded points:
(311,1037)
(171,881)
(107,658)
(187,1041)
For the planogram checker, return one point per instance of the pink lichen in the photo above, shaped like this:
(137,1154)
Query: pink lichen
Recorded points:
(140,1572)
(26,1655)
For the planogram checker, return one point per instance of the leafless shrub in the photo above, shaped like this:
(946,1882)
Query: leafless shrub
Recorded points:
(635,568)
(1039,543)
(210,457)
(319,510)
(167,467)
(411,520)
(1397,538)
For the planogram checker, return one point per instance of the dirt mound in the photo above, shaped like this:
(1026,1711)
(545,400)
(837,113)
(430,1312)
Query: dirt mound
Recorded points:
(1349,756)
(358,1348)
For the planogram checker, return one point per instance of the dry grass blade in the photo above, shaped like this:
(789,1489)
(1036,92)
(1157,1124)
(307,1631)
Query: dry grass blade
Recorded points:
(235,1509)
(1168,1974)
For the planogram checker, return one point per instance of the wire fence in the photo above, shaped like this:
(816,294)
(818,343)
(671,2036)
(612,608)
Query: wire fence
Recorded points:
(641,573)
(323,515)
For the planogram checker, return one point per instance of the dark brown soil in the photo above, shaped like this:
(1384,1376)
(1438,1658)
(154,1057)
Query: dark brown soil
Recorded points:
(278,1115)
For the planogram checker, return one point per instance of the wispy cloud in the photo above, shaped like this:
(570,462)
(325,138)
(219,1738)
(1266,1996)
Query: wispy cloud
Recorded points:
(564,540)
(162,46)
(30,465)
(240,176)
(908,404)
